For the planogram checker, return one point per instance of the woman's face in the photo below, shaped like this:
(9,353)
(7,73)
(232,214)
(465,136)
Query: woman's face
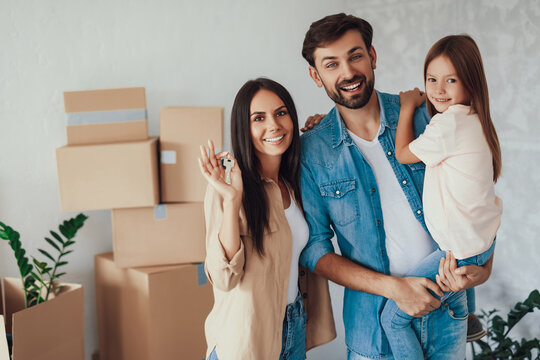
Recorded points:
(271,125)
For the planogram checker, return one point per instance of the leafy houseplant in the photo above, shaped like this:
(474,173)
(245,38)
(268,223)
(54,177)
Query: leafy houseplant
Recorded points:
(39,278)
(498,344)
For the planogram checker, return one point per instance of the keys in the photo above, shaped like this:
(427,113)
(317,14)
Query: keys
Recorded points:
(227,164)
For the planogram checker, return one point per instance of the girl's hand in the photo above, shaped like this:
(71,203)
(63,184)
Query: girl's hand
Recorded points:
(214,173)
(412,98)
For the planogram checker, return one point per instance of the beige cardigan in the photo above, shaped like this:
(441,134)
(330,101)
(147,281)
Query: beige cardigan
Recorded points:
(250,292)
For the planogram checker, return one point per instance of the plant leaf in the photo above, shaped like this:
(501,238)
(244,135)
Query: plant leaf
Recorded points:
(57,237)
(53,244)
(66,253)
(47,255)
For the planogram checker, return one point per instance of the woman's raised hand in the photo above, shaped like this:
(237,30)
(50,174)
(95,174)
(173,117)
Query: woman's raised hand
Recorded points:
(210,164)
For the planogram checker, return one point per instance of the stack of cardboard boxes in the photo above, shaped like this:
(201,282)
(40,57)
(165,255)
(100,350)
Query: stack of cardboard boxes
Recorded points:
(152,295)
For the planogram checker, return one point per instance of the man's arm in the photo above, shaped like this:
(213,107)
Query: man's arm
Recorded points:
(410,293)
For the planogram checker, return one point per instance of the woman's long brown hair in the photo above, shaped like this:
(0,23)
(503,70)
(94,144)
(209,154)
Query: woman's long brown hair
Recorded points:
(254,199)
(464,54)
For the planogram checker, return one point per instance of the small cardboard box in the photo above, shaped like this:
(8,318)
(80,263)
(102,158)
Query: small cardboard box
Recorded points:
(105,116)
(151,313)
(53,330)
(108,176)
(164,234)
(182,131)
(4,350)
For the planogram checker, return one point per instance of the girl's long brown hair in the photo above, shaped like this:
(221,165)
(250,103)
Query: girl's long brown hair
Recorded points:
(464,54)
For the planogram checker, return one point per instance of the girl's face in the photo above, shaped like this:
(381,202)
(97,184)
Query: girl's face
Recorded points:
(443,87)
(271,125)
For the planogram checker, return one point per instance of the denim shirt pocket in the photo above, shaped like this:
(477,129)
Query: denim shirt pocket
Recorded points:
(340,197)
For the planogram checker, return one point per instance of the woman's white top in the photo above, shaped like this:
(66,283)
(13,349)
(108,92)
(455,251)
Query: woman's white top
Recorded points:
(300,234)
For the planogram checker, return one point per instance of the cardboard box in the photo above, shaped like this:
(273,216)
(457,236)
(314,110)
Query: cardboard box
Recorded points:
(108,176)
(105,116)
(151,313)
(53,330)
(164,234)
(4,350)
(182,131)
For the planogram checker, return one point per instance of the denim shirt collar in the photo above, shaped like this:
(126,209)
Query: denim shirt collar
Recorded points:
(339,130)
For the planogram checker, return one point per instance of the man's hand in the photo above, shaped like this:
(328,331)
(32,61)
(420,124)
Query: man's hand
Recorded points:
(312,121)
(412,296)
(452,278)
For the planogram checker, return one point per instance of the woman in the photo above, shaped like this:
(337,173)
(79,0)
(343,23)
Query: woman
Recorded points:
(255,233)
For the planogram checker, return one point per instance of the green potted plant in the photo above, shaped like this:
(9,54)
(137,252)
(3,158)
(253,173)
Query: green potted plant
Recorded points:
(498,344)
(39,279)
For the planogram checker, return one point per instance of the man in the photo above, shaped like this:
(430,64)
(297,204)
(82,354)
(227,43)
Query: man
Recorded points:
(353,187)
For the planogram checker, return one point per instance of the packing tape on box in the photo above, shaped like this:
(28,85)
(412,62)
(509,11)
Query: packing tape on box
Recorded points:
(160,212)
(104,117)
(201,275)
(168,157)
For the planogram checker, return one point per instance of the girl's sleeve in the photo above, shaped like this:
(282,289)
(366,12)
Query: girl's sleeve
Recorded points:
(437,142)
(222,273)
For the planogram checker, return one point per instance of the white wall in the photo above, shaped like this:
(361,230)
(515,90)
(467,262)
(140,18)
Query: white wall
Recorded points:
(200,53)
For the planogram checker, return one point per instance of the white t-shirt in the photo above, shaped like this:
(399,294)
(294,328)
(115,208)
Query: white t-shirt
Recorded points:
(407,243)
(460,207)
(300,235)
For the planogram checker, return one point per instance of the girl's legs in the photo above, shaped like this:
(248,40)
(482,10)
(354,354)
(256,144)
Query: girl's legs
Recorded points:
(293,345)
(403,340)
(213,355)
(471,300)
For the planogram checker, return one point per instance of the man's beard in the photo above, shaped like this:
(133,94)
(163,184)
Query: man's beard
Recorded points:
(357,101)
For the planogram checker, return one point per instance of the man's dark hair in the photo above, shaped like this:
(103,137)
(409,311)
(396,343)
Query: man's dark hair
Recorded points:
(331,28)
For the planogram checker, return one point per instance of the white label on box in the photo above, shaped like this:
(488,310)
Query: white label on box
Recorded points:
(104,117)
(168,157)
(160,212)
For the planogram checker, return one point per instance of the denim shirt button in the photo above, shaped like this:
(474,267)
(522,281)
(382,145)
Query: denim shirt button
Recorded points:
(373,190)
(389,153)
(382,252)
(404,182)
(418,212)
(378,222)
(337,192)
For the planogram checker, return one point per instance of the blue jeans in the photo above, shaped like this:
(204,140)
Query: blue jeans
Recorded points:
(447,338)
(293,345)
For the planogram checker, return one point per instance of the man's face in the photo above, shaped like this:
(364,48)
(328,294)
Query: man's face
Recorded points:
(345,69)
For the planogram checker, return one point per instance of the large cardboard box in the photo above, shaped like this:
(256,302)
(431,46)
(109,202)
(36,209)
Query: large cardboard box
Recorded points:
(160,235)
(151,313)
(108,176)
(182,131)
(105,116)
(53,330)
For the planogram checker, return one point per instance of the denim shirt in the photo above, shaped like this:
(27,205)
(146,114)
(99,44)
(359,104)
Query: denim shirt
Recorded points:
(341,197)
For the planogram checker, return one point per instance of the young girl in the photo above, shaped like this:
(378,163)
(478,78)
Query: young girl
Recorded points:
(463,160)
(255,233)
